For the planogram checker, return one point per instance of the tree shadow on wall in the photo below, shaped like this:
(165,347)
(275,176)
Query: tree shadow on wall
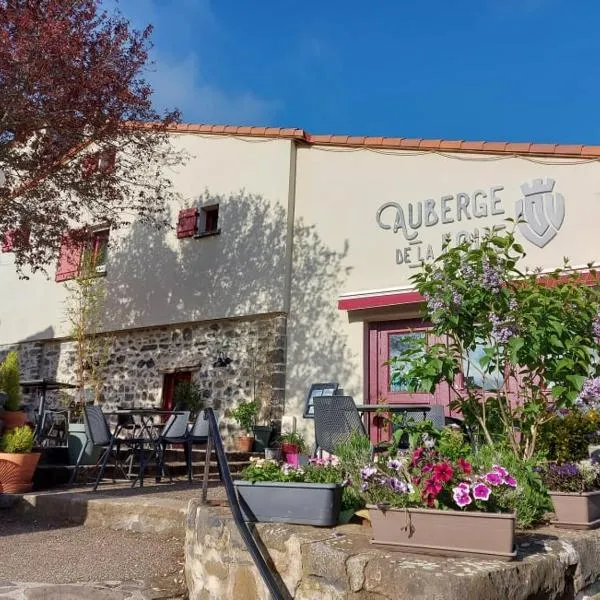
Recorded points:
(156,279)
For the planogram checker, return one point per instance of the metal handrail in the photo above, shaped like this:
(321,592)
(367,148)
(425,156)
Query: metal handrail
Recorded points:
(257,556)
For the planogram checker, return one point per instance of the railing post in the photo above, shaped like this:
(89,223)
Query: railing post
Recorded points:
(206,466)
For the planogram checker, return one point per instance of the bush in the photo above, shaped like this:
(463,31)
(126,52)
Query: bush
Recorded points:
(245,415)
(452,444)
(17,441)
(9,381)
(532,500)
(566,437)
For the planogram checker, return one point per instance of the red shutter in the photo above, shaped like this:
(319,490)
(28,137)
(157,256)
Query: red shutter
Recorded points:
(15,236)
(186,224)
(69,258)
(89,164)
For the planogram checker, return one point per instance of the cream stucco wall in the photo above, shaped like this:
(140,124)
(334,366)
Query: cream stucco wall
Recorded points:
(338,195)
(153,278)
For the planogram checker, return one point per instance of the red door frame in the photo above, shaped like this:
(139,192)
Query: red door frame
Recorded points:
(170,381)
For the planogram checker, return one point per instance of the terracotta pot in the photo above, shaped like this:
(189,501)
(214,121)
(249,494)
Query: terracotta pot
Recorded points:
(16,472)
(245,443)
(13,419)
(576,511)
(445,532)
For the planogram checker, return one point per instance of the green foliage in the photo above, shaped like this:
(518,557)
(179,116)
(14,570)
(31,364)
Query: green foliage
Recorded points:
(245,415)
(452,443)
(294,439)
(507,332)
(17,441)
(188,396)
(417,433)
(353,455)
(10,377)
(532,500)
(566,437)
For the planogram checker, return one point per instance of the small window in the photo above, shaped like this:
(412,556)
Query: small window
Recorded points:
(78,256)
(209,220)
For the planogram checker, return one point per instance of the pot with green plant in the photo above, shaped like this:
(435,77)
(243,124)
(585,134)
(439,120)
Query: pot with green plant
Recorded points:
(17,461)
(245,415)
(10,378)
(292,445)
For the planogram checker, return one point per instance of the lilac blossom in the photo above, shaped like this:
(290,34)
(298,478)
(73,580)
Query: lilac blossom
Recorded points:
(591,388)
(502,331)
(513,304)
(481,491)
(467,272)
(596,326)
(457,298)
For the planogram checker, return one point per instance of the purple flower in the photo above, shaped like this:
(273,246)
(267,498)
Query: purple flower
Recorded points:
(467,272)
(393,464)
(591,388)
(512,304)
(364,486)
(367,472)
(494,478)
(481,491)
(491,277)
(457,298)
(461,496)
(596,326)
(397,485)
(502,331)
(463,486)
(500,470)
(510,481)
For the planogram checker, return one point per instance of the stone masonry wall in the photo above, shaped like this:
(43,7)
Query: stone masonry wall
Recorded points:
(138,359)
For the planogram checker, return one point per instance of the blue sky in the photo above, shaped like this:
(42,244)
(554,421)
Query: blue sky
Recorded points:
(514,70)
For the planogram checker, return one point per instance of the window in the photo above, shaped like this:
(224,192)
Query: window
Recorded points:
(476,377)
(398,344)
(79,252)
(209,220)
(196,223)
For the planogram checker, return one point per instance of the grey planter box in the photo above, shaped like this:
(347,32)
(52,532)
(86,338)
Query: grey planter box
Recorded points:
(288,502)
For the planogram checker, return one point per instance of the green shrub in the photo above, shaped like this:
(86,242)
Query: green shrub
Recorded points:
(565,438)
(9,381)
(188,396)
(17,441)
(452,443)
(245,415)
(532,500)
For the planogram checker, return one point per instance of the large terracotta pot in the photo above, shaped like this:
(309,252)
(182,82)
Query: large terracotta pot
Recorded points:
(445,532)
(245,443)
(16,472)
(13,419)
(576,511)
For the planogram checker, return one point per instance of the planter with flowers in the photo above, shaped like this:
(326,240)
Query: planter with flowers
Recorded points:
(282,493)
(575,492)
(292,445)
(428,503)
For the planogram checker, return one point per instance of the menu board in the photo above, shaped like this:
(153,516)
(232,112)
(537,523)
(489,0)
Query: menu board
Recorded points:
(318,389)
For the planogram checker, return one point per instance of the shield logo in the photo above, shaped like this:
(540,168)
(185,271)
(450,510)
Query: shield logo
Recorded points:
(540,211)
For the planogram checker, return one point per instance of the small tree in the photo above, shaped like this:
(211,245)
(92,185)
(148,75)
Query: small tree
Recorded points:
(523,347)
(84,310)
(10,377)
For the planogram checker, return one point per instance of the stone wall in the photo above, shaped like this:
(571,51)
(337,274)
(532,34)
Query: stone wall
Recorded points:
(136,361)
(341,564)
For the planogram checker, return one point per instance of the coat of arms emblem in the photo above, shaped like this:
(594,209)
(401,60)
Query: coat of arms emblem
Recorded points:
(540,211)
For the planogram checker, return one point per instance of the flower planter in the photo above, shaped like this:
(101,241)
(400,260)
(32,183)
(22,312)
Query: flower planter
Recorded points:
(445,532)
(576,511)
(16,472)
(262,437)
(299,503)
(290,454)
(244,443)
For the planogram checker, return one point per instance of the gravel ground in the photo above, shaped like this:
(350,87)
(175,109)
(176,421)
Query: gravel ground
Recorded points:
(38,551)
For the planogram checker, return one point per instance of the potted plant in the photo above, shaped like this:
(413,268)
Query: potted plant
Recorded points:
(245,415)
(188,396)
(575,492)
(292,445)
(17,461)
(426,502)
(12,415)
(281,493)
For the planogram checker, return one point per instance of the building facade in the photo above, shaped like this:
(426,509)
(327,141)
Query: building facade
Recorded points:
(289,263)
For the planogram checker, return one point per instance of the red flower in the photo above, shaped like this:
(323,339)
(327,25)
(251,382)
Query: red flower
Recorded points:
(427,468)
(443,472)
(417,453)
(465,466)
(432,488)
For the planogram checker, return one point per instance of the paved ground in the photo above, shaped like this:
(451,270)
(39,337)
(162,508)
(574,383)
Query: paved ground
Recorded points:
(44,560)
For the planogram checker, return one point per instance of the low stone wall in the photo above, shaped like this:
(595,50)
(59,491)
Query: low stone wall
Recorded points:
(340,563)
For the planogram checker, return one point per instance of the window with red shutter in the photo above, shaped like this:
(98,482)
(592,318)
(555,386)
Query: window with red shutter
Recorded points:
(69,258)
(186,223)
(89,164)
(15,236)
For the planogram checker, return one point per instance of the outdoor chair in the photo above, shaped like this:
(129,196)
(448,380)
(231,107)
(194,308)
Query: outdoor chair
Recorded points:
(99,435)
(198,436)
(336,420)
(175,431)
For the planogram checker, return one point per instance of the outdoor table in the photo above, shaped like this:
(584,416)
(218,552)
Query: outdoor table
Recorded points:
(146,431)
(394,408)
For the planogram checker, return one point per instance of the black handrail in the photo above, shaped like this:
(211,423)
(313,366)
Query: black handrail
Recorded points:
(238,518)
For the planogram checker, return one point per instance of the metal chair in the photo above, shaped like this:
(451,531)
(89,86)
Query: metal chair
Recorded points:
(336,420)
(198,435)
(175,431)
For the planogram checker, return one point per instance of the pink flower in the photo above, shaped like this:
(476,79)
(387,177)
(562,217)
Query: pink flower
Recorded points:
(418,452)
(481,491)
(510,481)
(500,470)
(461,496)
(494,478)
(464,465)
(463,486)
(427,468)
(432,487)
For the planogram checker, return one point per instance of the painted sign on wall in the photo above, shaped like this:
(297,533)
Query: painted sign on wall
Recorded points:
(540,213)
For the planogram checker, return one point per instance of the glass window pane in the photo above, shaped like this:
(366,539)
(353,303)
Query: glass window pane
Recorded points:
(474,375)
(398,344)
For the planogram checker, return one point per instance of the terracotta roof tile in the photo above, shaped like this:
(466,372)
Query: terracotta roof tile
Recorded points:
(562,150)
